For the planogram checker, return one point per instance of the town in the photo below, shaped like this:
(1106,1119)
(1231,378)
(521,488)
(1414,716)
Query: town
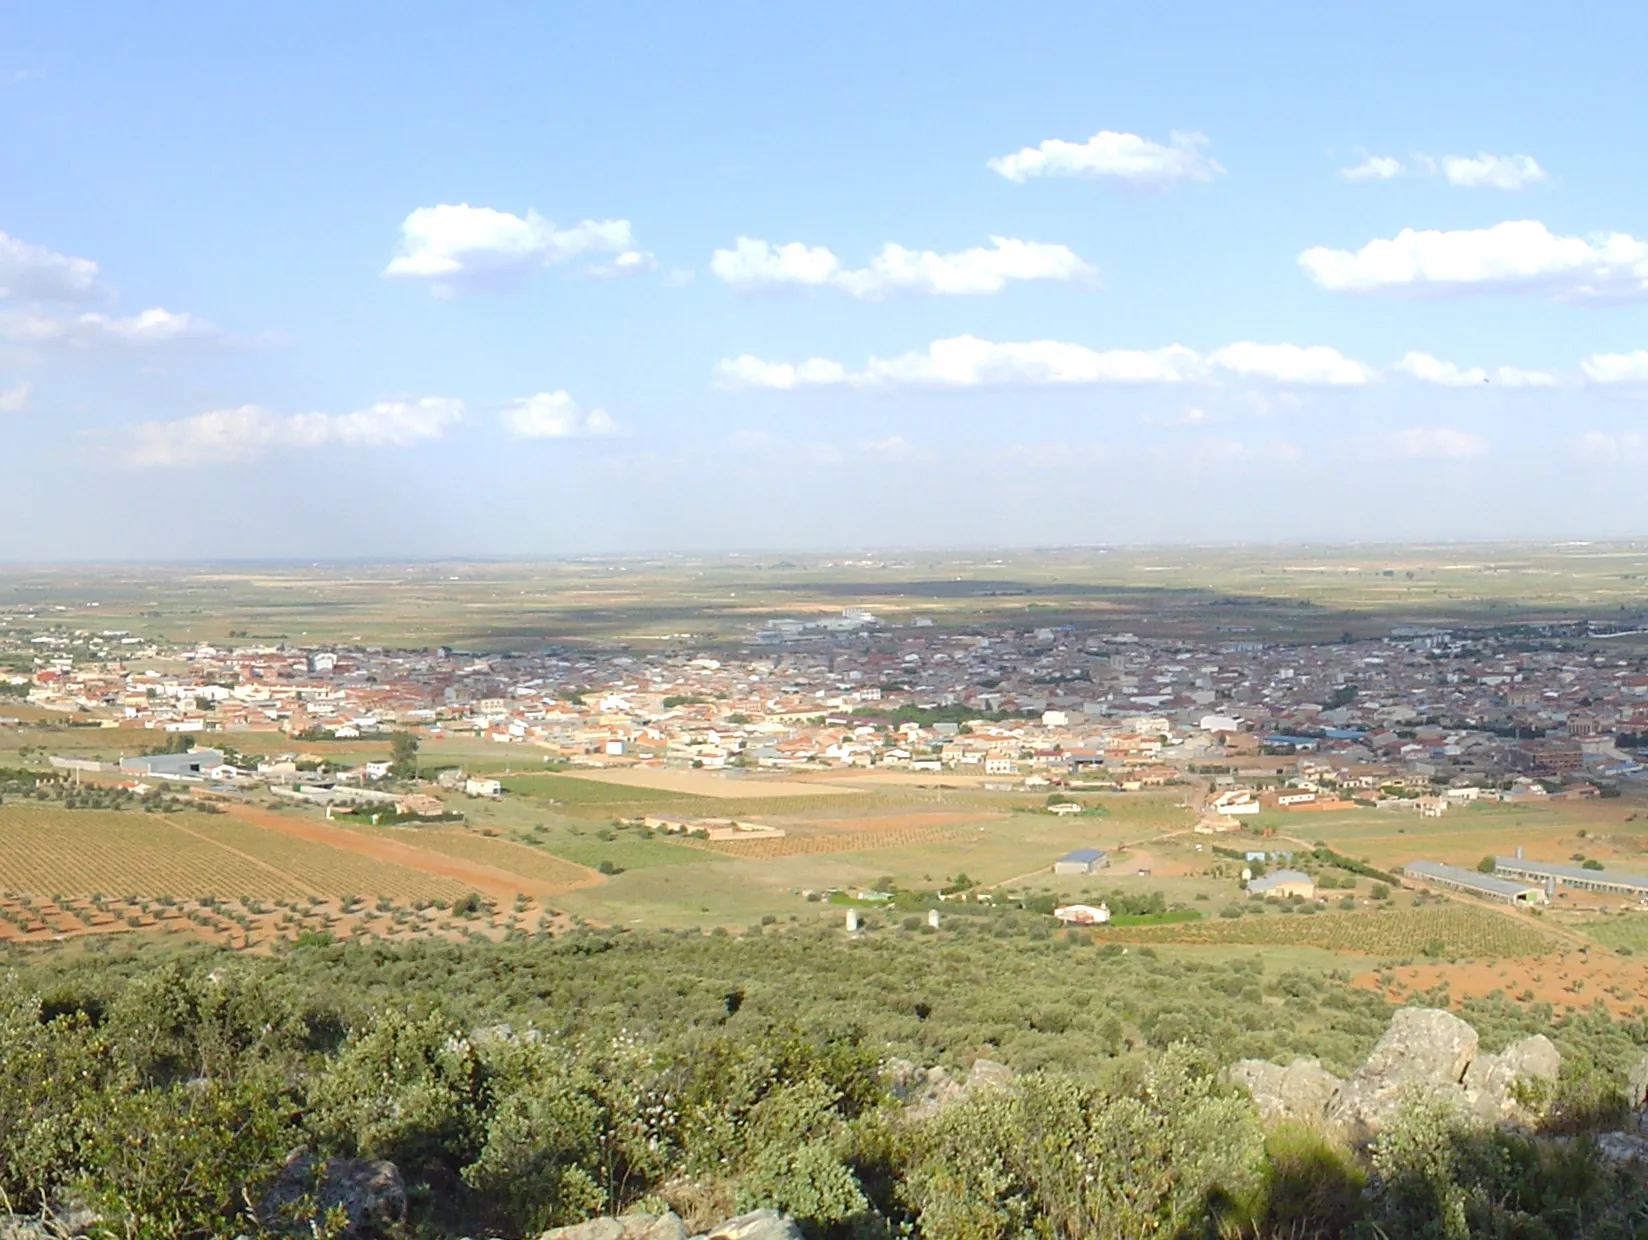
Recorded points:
(1429,717)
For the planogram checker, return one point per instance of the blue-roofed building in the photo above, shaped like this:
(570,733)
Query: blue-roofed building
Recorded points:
(1080,861)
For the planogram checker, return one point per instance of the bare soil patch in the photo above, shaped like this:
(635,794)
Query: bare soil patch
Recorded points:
(1565,979)
(487,879)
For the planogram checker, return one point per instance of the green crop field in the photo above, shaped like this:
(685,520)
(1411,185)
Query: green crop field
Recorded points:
(516,858)
(1629,932)
(1445,931)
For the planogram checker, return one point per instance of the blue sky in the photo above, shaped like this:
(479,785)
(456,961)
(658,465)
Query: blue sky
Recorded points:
(519,279)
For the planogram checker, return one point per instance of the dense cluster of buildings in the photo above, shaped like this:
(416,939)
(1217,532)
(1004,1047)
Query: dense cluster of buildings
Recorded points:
(1432,716)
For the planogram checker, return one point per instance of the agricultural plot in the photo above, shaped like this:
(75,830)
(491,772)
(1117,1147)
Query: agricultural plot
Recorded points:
(503,854)
(1629,932)
(78,852)
(329,871)
(573,793)
(1448,931)
(626,852)
(906,835)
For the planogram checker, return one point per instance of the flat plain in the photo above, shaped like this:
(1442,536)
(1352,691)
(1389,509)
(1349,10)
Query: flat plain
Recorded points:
(561,847)
(1301,593)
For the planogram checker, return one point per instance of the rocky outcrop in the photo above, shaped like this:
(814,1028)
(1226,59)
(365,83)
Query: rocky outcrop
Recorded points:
(924,1090)
(60,1223)
(1301,1091)
(1491,1083)
(1636,1084)
(1620,1148)
(664,1226)
(370,1194)
(756,1225)
(60,1220)
(1423,1049)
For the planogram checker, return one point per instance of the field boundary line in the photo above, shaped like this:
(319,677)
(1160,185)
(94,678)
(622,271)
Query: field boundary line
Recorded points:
(244,856)
(486,878)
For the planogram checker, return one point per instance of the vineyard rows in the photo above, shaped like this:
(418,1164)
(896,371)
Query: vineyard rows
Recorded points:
(83,851)
(1395,932)
(331,871)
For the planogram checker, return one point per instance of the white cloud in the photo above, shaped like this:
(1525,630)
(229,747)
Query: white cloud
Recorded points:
(1428,369)
(246,432)
(1603,446)
(95,330)
(459,247)
(1374,168)
(1290,363)
(1124,156)
(34,273)
(626,263)
(967,361)
(1515,256)
(892,448)
(754,264)
(1629,367)
(1516,376)
(1437,443)
(1491,171)
(748,371)
(555,415)
(15,399)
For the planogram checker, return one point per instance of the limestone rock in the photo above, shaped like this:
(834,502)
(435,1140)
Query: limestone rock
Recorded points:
(757,1225)
(1308,1088)
(923,1091)
(1263,1080)
(664,1226)
(1425,1048)
(1490,1083)
(988,1073)
(1301,1091)
(1636,1083)
(1622,1147)
(371,1194)
(59,1221)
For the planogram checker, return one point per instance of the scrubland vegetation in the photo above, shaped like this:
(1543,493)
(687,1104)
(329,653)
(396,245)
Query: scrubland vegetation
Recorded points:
(545,1080)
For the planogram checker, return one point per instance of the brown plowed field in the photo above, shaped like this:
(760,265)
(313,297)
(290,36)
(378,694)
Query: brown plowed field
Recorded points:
(1566,980)
(487,879)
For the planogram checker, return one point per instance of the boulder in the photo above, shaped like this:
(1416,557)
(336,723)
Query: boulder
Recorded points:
(370,1193)
(1622,1147)
(1301,1091)
(1424,1048)
(989,1074)
(924,1090)
(664,1226)
(757,1225)
(1636,1084)
(1490,1081)
(58,1221)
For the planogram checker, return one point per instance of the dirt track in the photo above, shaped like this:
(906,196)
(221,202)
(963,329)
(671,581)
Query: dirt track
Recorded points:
(486,879)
